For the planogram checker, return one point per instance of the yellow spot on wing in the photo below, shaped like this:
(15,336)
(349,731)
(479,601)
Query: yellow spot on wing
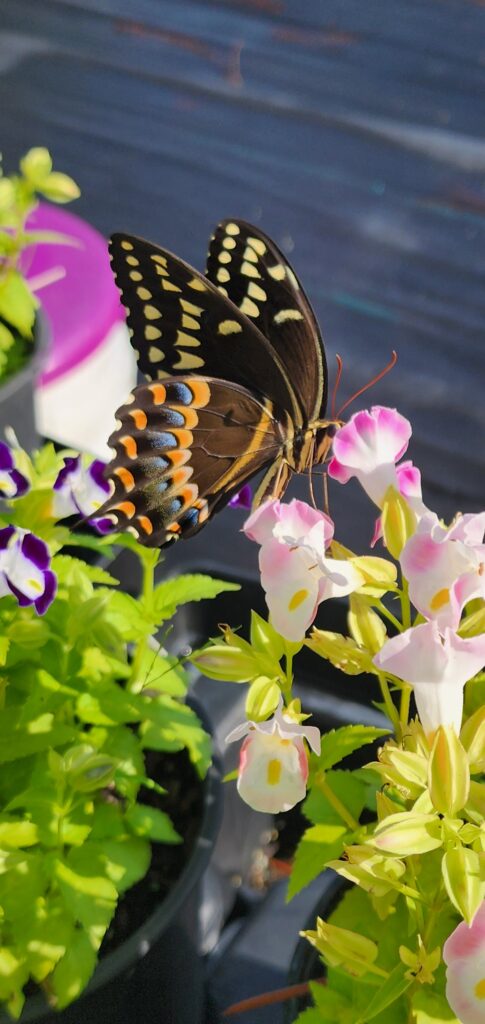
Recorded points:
(152,333)
(188,321)
(188,361)
(197,285)
(232,229)
(155,354)
(132,260)
(229,243)
(157,258)
(277,272)
(135,275)
(189,307)
(249,270)
(143,293)
(152,313)
(126,245)
(223,275)
(169,287)
(161,271)
(229,327)
(287,314)
(249,307)
(256,292)
(258,245)
(161,374)
(224,257)
(249,254)
(187,340)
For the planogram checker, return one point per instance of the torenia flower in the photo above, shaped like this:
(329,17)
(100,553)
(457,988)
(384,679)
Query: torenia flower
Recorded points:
(25,569)
(295,571)
(437,667)
(368,447)
(445,567)
(12,483)
(273,763)
(81,491)
(464,955)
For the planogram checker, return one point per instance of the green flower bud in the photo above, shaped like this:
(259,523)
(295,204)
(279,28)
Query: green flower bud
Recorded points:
(461,875)
(473,739)
(366,627)
(448,772)
(340,947)
(408,833)
(398,522)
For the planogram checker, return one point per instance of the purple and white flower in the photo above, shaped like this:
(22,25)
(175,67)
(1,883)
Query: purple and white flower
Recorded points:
(243,498)
(81,490)
(12,483)
(273,762)
(25,569)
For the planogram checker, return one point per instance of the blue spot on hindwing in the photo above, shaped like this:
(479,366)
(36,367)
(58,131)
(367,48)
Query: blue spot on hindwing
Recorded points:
(179,393)
(173,418)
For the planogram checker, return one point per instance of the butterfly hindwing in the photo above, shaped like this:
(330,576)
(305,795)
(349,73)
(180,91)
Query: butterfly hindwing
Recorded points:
(182,448)
(181,323)
(250,269)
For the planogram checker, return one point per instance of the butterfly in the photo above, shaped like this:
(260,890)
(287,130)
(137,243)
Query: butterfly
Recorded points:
(237,382)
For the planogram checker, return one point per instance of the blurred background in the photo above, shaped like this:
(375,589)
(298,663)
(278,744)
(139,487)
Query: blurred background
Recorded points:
(352,133)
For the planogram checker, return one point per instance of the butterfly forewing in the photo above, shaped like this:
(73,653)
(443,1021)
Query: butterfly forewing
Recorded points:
(251,270)
(181,323)
(182,448)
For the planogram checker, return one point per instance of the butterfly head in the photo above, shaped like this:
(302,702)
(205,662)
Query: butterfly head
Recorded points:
(323,434)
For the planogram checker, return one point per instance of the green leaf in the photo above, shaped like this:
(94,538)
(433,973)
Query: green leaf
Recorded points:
(432,1007)
(36,165)
(17,304)
(265,639)
(339,743)
(63,566)
(22,744)
(462,878)
(4,646)
(150,823)
(388,992)
(171,593)
(124,860)
(173,726)
(18,833)
(317,846)
(73,972)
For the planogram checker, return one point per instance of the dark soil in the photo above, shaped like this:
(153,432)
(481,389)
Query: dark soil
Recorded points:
(183,803)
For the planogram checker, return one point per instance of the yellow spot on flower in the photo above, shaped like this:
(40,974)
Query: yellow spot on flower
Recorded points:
(297,599)
(480,989)
(274,772)
(35,585)
(441,598)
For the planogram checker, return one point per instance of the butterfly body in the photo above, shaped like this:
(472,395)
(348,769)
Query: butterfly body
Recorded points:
(237,382)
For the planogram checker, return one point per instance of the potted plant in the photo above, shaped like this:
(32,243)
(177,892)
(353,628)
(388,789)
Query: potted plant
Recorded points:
(23,334)
(105,777)
(404,943)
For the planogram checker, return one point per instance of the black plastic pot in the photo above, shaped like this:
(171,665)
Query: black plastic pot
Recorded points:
(306,964)
(17,394)
(156,976)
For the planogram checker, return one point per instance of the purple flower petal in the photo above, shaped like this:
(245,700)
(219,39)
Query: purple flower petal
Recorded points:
(20,481)
(5,534)
(22,599)
(96,472)
(36,551)
(6,457)
(71,464)
(242,499)
(42,603)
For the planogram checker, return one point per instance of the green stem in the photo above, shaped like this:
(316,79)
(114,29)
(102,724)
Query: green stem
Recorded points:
(389,703)
(404,706)
(337,804)
(148,564)
(405,606)
(388,615)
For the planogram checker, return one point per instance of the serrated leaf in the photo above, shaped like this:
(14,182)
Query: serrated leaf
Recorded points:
(318,845)
(17,305)
(63,565)
(173,726)
(339,743)
(73,972)
(194,587)
(348,790)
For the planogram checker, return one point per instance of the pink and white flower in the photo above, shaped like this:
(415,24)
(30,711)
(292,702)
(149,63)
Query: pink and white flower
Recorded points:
(464,955)
(368,447)
(437,667)
(25,569)
(81,490)
(296,574)
(273,762)
(445,567)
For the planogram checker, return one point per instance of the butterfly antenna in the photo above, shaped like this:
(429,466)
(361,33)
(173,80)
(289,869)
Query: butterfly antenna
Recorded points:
(390,365)
(336,385)
(310,476)
(326,503)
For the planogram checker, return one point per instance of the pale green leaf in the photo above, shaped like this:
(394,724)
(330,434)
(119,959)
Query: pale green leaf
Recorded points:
(318,845)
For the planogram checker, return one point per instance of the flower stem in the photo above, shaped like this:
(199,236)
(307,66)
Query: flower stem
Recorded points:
(404,706)
(388,615)
(388,701)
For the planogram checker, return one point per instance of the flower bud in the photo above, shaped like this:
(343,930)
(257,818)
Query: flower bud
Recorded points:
(473,739)
(408,833)
(87,769)
(448,772)
(226,661)
(398,521)
(461,875)
(340,947)
(366,627)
